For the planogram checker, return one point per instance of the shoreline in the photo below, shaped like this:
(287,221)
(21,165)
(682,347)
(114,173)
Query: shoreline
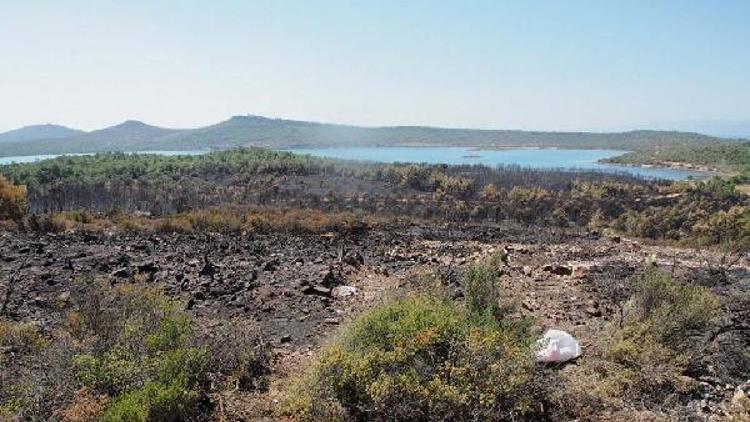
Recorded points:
(675,165)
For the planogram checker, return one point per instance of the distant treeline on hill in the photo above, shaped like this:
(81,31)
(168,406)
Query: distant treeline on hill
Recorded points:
(730,156)
(242,131)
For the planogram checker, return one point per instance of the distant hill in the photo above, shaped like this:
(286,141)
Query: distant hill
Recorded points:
(131,135)
(281,133)
(48,131)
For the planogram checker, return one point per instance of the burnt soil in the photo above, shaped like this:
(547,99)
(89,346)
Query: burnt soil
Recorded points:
(290,282)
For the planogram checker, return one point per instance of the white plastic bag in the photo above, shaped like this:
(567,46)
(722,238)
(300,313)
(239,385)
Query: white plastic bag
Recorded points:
(557,346)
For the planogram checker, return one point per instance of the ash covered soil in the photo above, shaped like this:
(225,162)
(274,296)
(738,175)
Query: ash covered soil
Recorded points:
(301,287)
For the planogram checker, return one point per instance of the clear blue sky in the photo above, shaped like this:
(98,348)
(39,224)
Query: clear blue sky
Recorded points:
(553,65)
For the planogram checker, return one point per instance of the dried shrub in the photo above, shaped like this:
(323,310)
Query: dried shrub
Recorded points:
(12,200)
(20,337)
(86,406)
(237,350)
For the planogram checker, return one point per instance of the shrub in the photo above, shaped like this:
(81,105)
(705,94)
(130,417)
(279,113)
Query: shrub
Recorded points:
(482,296)
(669,310)
(137,355)
(146,358)
(85,406)
(421,358)
(655,344)
(174,401)
(22,337)
(12,200)
(238,351)
(215,220)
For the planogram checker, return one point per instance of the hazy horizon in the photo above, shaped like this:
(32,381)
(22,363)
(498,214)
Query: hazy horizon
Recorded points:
(724,129)
(554,66)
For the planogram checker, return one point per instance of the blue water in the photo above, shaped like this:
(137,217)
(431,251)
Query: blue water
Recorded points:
(578,159)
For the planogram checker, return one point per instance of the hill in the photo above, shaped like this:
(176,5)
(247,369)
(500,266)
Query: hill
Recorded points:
(34,132)
(282,133)
(130,135)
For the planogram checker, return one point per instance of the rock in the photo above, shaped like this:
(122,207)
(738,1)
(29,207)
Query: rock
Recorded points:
(121,273)
(558,269)
(344,291)
(331,278)
(217,291)
(594,311)
(63,297)
(147,267)
(332,321)
(317,290)
(526,270)
(271,265)
(580,271)
(354,259)
(209,268)
(285,339)
(457,293)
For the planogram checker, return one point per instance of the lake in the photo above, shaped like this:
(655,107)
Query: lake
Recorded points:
(579,159)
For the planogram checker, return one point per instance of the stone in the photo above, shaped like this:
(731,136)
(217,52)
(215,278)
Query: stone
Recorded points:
(558,269)
(344,291)
(317,290)
(121,273)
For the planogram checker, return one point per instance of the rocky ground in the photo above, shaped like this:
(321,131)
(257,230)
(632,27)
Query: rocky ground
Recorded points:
(300,287)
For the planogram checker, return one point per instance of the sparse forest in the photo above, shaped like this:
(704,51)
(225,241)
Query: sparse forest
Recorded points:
(711,212)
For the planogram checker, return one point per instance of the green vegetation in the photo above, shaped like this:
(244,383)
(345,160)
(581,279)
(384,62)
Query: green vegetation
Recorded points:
(655,341)
(728,156)
(425,358)
(128,353)
(648,353)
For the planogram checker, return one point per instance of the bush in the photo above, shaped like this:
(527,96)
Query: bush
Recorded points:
(421,358)
(125,353)
(483,299)
(147,359)
(12,200)
(668,310)
(22,337)
(85,407)
(660,333)
(174,401)
(238,352)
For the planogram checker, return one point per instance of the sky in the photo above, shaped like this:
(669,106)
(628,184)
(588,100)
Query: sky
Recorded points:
(537,65)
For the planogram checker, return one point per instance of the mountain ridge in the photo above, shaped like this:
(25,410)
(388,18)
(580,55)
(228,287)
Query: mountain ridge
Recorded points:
(41,131)
(261,131)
